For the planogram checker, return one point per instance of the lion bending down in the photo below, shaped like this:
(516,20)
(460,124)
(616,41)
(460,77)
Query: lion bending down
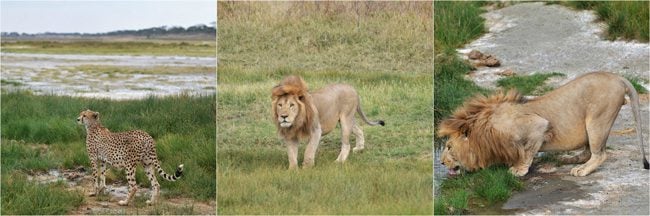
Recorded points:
(508,129)
(299,114)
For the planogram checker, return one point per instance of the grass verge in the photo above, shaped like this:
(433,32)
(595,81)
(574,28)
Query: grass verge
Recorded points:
(625,19)
(40,133)
(82,47)
(485,187)
(456,24)
(380,48)
(530,84)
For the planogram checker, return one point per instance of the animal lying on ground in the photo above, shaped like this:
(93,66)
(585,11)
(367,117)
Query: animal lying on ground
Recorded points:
(299,114)
(122,150)
(506,128)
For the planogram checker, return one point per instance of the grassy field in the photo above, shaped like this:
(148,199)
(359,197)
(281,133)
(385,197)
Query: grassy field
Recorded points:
(40,133)
(112,47)
(382,49)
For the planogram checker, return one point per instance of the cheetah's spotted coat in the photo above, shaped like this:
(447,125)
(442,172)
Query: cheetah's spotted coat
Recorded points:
(122,150)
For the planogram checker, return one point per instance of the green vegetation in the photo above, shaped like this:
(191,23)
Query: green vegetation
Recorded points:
(108,69)
(456,24)
(636,82)
(85,47)
(23,197)
(488,187)
(40,133)
(625,19)
(529,84)
(380,48)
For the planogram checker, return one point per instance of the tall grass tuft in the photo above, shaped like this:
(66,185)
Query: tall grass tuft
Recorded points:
(23,197)
(625,19)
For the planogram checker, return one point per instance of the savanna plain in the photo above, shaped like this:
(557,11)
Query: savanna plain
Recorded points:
(45,166)
(383,49)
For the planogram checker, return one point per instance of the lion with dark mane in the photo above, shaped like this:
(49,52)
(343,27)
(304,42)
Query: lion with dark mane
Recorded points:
(506,128)
(299,114)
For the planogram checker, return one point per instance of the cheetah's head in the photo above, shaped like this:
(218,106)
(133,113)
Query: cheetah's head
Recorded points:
(86,115)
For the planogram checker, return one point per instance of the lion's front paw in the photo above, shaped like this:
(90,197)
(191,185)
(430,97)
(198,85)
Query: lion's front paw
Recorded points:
(123,202)
(579,171)
(519,171)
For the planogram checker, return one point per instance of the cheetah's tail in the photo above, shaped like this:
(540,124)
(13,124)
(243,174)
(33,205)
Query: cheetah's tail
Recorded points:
(177,175)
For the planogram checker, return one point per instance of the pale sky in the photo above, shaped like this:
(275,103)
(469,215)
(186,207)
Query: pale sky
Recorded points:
(102,16)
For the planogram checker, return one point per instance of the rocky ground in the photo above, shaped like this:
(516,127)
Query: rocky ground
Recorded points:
(80,180)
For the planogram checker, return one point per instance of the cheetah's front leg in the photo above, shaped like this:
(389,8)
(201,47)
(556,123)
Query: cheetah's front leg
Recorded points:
(98,177)
(133,187)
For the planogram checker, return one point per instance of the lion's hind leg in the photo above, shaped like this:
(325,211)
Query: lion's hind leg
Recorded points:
(360,142)
(347,124)
(597,133)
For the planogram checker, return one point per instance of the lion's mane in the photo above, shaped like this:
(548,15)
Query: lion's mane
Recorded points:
(294,86)
(485,145)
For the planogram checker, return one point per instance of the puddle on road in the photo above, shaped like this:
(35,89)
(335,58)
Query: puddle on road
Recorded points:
(50,74)
(542,190)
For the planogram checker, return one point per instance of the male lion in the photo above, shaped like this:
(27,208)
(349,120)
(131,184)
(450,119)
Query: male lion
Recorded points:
(505,128)
(299,114)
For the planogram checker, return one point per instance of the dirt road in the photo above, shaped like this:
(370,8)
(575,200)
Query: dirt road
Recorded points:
(534,37)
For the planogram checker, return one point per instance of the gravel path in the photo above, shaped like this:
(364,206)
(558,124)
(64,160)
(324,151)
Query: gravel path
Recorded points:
(534,37)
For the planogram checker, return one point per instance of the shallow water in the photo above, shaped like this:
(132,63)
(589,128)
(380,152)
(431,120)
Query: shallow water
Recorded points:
(51,74)
(439,171)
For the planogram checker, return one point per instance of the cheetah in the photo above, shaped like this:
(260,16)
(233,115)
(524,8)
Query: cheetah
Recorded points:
(122,150)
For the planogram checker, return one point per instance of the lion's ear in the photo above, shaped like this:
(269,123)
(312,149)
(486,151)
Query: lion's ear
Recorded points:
(453,126)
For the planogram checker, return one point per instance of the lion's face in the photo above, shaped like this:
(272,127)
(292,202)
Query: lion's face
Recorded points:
(286,110)
(448,156)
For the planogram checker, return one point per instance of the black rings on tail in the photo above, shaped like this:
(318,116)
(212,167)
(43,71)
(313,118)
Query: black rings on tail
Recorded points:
(177,175)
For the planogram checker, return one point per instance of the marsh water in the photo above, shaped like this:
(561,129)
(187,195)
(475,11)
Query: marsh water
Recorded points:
(59,74)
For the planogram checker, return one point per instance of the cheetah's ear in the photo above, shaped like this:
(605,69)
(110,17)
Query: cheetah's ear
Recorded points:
(96,115)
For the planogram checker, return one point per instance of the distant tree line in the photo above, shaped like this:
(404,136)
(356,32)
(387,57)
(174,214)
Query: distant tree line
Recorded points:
(148,32)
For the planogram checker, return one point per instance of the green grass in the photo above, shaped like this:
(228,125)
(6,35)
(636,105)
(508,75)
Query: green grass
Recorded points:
(625,19)
(528,85)
(488,186)
(82,47)
(40,133)
(457,23)
(636,82)
(111,70)
(23,197)
(384,53)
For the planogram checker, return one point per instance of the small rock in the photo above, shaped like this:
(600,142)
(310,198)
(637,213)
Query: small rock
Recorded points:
(103,204)
(507,72)
(474,54)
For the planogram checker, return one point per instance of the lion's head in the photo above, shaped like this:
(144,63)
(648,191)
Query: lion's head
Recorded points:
(293,111)
(473,142)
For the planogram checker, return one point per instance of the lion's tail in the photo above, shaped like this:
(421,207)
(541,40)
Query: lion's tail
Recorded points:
(634,102)
(177,175)
(365,119)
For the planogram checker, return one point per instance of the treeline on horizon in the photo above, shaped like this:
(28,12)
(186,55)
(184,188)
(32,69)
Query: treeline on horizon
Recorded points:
(154,31)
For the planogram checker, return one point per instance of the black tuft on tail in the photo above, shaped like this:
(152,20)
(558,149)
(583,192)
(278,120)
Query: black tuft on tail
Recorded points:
(381,122)
(645,164)
(179,171)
